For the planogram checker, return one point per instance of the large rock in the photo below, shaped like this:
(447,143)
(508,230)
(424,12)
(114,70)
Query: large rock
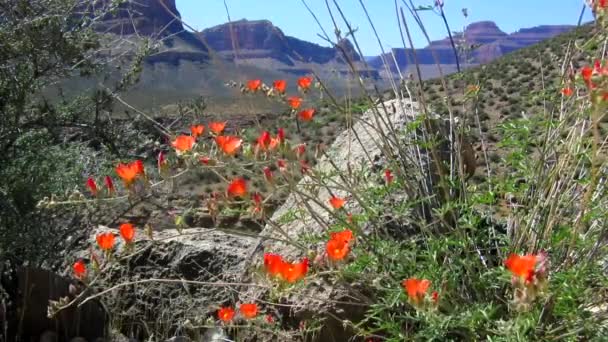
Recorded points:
(320,297)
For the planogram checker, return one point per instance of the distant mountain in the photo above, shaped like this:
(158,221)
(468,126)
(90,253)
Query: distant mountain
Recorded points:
(484,41)
(148,18)
(260,42)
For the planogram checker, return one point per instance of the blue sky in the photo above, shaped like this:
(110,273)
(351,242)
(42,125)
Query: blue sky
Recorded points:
(294,20)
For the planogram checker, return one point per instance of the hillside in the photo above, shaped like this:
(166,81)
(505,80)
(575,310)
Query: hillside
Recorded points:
(522,84)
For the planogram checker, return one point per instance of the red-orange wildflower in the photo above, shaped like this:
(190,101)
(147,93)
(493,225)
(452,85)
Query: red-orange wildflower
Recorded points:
(281,134)
(237,188)
(129,172)
(300,150)
(217,127)
(306,114)
(294,102)
(183,143)
(139,167)
(522,266)
(225,314)
(337,202)
(257,202)
(80,269)
(197,130)
(229,144)
(267,174)
(109,184)
(345,235)
(337,249)
(304,82)
(249,310)
(388,176)
(264,140)
(416,288)
(292,272)
(254,85)
(92,185)
(567,91)
(282,164)
(127,232)
(280,86)
(587,72)
(105,241)
(273,263)
(435,297)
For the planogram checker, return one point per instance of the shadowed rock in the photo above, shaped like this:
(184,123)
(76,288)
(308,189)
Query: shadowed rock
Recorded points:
(26,295)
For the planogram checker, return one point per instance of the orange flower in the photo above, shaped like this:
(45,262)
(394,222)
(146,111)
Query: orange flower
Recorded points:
(346,235)
(237,188)
(304,82)
(249,310)
(139,167)
(587,72)
(280,86)
(416,288)
(567,91)
(521,266)
(306,114)
(183,143)
(257,201)
(129,172)
(229,144)
(92,186)
(80,269)
(225,314)
(292,272)
(105,240)
(435,297)
(217,127)
(337,202)
(300,150)
(268,174)
(109,185)
(388,176)
(127,231)
(197,130)
(254,85)
(281,134)
(337,249)
(264,140)
(294,102)
(282,164)
(273,263)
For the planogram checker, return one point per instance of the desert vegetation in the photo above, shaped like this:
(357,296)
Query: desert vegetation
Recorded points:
(468,207)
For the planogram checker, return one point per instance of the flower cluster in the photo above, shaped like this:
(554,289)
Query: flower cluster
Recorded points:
(247,311)
(529,279)
(338,246)
(417,290)
(290,272)
(105,242)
